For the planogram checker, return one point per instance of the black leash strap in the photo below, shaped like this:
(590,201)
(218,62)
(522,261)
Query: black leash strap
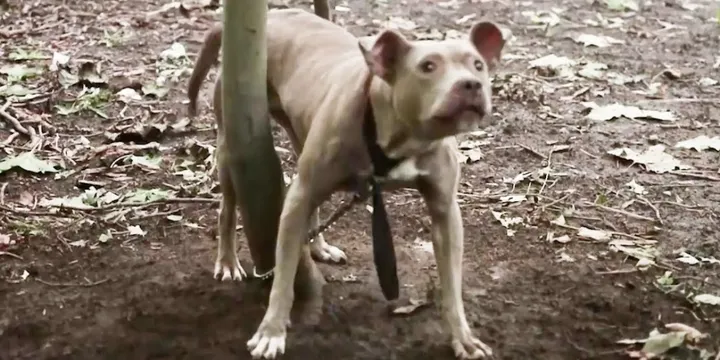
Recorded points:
(383,248)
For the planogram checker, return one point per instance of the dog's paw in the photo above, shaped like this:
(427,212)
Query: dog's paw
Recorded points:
(467,346)
(269,340)
(324,252)
(229,269)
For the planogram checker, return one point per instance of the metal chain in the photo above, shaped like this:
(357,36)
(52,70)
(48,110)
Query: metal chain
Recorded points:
(339,212)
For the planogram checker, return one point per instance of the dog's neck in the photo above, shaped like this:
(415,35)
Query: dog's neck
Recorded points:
(394,136)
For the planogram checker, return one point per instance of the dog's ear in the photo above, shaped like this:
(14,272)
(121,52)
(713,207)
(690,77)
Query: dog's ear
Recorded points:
(386,53)
(489,41)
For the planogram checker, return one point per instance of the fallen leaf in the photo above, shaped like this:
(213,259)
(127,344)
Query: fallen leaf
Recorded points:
(518,198)
(175,218)
(654,159)
(19,72)
(707,299)
(28,162)
(597,235)
(5,240)
(707,82)
(701,143)
(560,220)
(176,51)
(622,5)
(128,95)
(612,111)
(600,41)
(688,259)
(78,243)
(636,188)
(542,17)
(658,343)
(59,60)
(136,230)
(552,61)
(691,334)
(411,308)
(105,237)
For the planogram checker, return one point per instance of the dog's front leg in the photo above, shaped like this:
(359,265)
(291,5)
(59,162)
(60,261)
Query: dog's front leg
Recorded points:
(269,340)
(440,193)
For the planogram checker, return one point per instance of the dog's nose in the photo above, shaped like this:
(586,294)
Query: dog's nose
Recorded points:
(470,85)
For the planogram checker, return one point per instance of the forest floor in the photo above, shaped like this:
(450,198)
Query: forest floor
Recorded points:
(586,224)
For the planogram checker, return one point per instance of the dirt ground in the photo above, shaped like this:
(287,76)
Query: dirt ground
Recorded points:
(70,291)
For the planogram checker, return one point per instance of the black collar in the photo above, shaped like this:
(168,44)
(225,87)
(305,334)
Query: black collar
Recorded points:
(383,248)
(382,164)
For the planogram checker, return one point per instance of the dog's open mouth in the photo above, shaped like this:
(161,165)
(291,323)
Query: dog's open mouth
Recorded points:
(459,112)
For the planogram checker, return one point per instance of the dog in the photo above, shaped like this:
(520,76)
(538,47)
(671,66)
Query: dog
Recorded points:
(420,94)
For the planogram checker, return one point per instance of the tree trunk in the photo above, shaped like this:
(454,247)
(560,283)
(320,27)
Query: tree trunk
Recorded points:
(255,167)
(321,8)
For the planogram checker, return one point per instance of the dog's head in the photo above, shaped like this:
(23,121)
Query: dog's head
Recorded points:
(439,88)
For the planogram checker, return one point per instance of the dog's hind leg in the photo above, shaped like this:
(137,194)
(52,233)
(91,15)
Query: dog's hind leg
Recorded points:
(227,265)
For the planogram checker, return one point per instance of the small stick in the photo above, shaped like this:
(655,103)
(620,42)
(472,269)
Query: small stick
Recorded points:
(10,138)
(2,193)
(13,121)
(696,176)
(657,211)
(613,272)
(533,151)
(32,213)
(146,203)
(682,100)
(72,284)
(7,253)
(622,212)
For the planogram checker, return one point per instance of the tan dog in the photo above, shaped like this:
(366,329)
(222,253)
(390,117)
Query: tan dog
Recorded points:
(421,93)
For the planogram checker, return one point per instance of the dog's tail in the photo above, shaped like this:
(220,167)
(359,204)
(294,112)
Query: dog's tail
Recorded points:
(206,58)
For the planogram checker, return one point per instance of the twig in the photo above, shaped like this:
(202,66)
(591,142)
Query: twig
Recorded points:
(657,211)
(157,214)
(533,151)
(697,278)
(555,201)
(622,212)
(32,213)
(2,193)
(682,100)
(7,253)
(10,138)
(695,176)
(695,208)
(619,271)
(71,284)
(147,203)
(13,121)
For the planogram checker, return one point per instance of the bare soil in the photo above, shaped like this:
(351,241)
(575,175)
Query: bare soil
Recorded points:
(153,297)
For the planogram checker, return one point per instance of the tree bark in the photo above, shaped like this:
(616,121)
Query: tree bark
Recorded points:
(255,167)
(321,8)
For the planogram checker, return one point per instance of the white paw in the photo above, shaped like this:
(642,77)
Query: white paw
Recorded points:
(467,346)
(269,340)
(325,252)
(229,269)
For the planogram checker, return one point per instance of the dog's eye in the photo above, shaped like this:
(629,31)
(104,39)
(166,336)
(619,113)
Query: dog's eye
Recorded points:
(427,66)
(479,66)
